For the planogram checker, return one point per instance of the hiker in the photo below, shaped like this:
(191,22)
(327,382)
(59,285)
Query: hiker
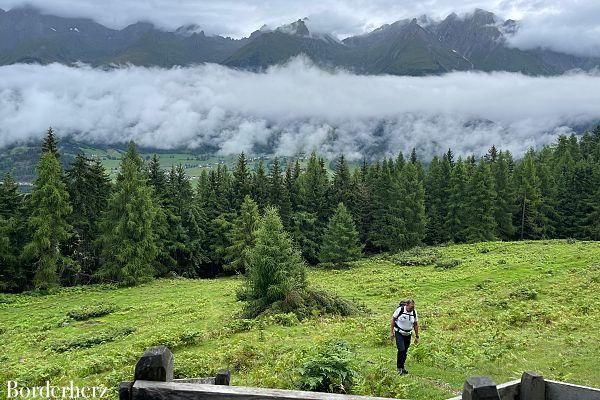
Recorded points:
(404,320)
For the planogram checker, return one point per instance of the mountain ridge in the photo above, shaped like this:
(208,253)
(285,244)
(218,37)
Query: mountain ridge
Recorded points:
(418,46)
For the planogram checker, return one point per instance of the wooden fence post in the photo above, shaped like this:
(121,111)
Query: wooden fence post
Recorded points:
(223,377)
(480,388)
(532,386)
(156,364)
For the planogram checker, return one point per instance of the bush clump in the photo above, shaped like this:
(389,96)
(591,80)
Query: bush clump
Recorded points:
(92,311)
(381,382)
(448,264)
(329,369)
(418,256)
(524,294)
(61,346)
(310,302)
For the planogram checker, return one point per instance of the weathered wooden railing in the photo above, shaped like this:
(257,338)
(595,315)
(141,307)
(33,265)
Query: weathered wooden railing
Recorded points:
(154,381)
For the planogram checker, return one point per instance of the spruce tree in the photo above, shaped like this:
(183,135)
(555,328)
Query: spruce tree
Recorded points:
(505,196)
(309,223)
(275,266)
(89,188)
(214,206)
(341,186)
(278,196)
(13,236)
(10,271)
(446,166)
(241,180)
(50,144)
(592,224)
(129,241)
(10,198)
(457,217)
(242,236)
(186,221)
(387,229)
(260,186)
(340,239)
(529,219)
(433,202)
(411,205)
(481,199)
(157,178)
(49,209)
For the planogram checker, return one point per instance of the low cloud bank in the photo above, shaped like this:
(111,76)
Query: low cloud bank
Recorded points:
(293,108)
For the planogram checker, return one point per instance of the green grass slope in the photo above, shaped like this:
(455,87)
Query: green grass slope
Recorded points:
(506,308)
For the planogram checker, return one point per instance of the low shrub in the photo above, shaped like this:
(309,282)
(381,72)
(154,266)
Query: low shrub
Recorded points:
(448,264)
(329,369)
(309,302)
(287,319)
(91,311)
(240,325)
(418,256)
(6,299)
(524,294)
(381,381)
(110,335)
(241,357)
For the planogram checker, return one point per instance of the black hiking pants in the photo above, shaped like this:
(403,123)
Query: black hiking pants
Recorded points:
(402,343)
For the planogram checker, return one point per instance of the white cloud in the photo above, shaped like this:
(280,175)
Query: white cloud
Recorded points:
(568,26)
(293,108)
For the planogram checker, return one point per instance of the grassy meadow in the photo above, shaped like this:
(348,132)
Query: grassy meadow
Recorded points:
(493,309)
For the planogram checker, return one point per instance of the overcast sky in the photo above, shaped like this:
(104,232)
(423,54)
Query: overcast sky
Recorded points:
(565,25)
(296,107)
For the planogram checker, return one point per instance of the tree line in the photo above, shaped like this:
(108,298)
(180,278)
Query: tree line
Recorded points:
(78,227)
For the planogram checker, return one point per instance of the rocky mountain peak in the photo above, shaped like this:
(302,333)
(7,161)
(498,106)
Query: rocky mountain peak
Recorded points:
(297,28)
(189,30)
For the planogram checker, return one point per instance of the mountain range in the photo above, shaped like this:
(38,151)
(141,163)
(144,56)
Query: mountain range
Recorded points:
(419,46)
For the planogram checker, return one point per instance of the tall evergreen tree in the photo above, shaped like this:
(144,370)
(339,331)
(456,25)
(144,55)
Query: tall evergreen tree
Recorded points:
(309,222)
(89,188)
(260,186)
(13,236)
(157,178)
(457,217)
(277,193)
(387,229)
(434,202)
(50,143)
(186,225)
(129,241)
(275,266)
(481,199)
(592,225)
(50,208)
(411,205)
(530,220)
(241,180)
(242,236)
(340,240)
(446,167)
(314,187)
(341,186)
(10,198)
(505,195)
